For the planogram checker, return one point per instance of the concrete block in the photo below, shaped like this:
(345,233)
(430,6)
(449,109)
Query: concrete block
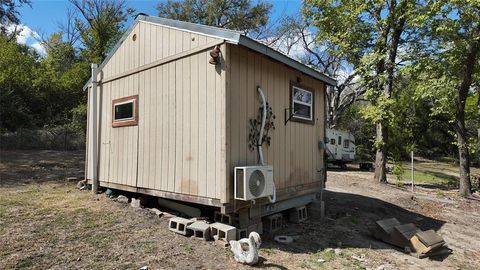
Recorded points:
(143,200)
(156,212)
(257,227)
(178,207)
(298,214)
(222,218)
(135,203)
(241,219)
(200,230)
(316,210)
(121,199)
(223,232)
(179,225)
(273,222)
(242,233)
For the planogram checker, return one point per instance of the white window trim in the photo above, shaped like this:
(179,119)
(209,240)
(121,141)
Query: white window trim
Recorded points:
(302,103)
(125,102)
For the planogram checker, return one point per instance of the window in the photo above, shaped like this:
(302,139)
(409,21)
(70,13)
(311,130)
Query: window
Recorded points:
(346,143)
(339,140)
(302,104)
(332,141)
(125,111)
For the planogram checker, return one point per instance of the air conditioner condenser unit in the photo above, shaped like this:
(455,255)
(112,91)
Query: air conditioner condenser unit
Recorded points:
(252,182)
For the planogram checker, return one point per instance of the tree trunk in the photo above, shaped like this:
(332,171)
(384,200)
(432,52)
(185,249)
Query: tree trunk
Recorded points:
(478,145)
(465,188)
(389,67)
(381,155)
(463,151)
(478,131)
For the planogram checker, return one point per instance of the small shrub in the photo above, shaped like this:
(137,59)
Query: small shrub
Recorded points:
(398,171)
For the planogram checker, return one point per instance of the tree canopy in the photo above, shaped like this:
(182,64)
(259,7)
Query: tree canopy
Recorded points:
(408,71)
(239,15)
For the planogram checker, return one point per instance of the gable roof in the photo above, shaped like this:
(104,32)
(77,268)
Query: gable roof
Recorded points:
(230,36)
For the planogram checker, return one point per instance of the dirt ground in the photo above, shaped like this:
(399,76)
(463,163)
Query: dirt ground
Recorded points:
(47,223)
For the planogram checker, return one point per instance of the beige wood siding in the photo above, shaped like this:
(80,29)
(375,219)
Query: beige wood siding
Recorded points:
(178,124)
(153,42)
(176,146)
(194,117)
(294,152)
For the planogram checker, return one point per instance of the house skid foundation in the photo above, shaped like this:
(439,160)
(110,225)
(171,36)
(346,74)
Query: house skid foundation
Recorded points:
(173,110)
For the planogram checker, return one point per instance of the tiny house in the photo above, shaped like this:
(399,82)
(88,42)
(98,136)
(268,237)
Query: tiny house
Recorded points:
(340,146)
(175,111)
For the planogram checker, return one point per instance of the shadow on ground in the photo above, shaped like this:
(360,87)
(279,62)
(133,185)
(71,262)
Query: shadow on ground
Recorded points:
(349,217)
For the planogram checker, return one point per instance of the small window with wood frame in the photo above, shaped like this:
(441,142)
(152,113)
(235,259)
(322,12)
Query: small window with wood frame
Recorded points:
(302,103)
(125,111)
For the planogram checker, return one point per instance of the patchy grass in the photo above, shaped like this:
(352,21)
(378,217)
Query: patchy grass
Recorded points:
(434,173)
(55,225)
(45,222)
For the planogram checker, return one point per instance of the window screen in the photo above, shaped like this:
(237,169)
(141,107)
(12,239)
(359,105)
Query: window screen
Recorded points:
(346,143)
(124,111)
(302,103)
(339,140)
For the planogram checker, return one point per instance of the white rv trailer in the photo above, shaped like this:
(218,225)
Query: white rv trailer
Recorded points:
(340,146)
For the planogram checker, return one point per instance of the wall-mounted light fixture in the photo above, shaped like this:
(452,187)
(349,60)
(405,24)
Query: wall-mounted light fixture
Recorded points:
(215,54)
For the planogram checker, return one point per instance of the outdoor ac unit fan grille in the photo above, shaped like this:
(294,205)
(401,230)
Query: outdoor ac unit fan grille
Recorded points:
(256,183)
(253,182)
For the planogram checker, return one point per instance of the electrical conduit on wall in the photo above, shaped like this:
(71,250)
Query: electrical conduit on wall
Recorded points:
(260,140)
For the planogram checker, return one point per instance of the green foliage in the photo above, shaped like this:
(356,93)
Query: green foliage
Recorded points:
(239,15)
(419,109)
(362,130)
(9,14)
(18,66)
(38,92)
(100,25)
(46,91)
(332,18)
(379,112)
(368,34)
(398,171)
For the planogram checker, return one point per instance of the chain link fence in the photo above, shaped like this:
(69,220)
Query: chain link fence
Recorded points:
(55,138)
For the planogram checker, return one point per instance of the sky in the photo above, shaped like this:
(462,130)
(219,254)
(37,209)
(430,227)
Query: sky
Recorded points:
(44,16)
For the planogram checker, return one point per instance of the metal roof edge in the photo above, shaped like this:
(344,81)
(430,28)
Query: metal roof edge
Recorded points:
(264,49)
(232,36)
(226,34)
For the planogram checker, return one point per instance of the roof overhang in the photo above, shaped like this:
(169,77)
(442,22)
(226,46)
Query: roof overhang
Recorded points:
(230,36)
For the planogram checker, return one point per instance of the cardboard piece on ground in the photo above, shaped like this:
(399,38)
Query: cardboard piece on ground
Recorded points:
(426,242)
(383,228)
(401,234)
(438,252)
(430,238)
